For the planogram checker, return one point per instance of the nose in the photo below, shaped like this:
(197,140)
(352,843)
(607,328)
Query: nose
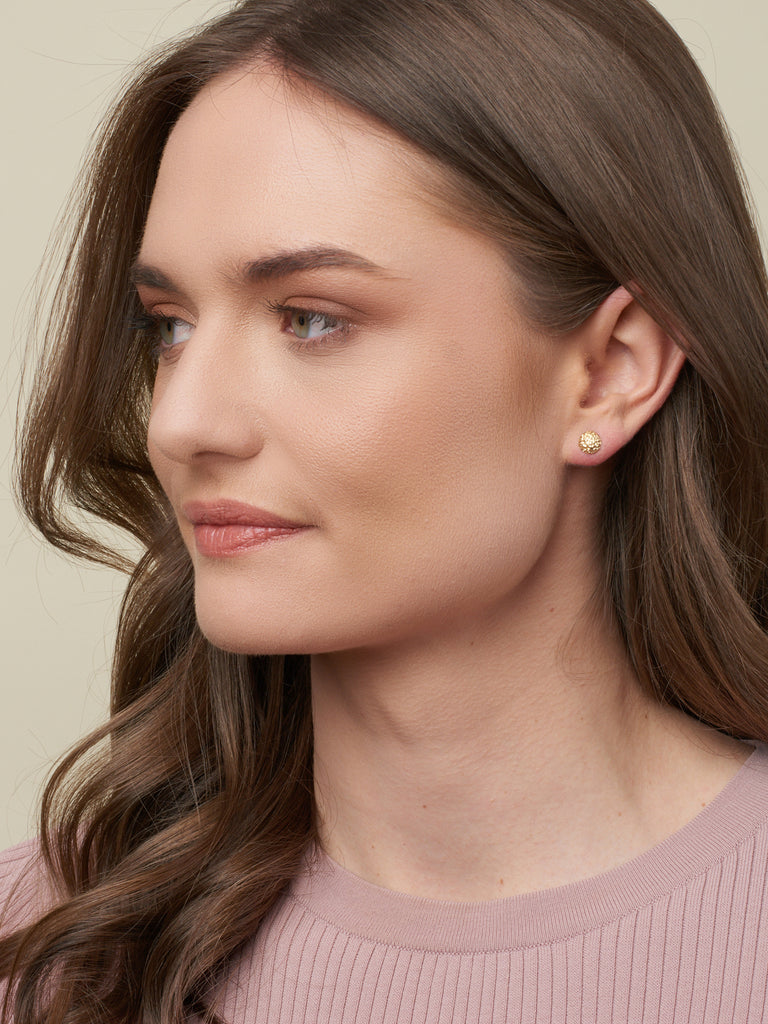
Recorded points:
(204,401)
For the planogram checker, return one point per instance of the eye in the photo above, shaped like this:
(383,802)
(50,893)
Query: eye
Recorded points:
(308,325)
(163,332)
(311,328)
(172,331)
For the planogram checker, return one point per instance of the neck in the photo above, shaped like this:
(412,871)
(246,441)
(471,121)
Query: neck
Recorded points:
(512,754)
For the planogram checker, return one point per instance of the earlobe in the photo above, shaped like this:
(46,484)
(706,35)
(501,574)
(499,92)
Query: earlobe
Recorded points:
(627,366)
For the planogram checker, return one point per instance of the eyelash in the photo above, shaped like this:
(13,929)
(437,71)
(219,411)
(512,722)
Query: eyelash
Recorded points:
(150,324)
(341,329)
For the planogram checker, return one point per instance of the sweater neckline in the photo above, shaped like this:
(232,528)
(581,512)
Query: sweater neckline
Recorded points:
(347,902)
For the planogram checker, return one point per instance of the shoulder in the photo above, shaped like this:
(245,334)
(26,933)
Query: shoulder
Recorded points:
(749,789)
(25,890)
(737,818)
(747,796)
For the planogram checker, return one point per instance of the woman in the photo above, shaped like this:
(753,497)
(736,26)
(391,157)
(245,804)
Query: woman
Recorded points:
(425,349)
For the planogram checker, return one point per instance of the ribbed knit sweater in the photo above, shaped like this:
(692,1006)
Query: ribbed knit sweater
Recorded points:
(680,934)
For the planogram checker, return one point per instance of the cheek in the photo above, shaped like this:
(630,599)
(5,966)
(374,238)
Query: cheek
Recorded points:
(438,469)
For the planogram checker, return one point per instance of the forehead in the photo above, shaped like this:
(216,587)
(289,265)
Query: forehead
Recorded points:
(255,147)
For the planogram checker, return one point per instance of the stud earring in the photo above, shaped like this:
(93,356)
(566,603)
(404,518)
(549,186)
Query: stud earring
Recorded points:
(590,442)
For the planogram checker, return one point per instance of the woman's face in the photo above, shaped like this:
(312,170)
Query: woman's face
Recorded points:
(359,433)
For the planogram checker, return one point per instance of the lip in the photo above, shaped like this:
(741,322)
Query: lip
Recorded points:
(225,528)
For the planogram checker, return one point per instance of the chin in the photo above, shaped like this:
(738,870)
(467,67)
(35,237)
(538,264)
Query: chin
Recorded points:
(227,637)
(245,631)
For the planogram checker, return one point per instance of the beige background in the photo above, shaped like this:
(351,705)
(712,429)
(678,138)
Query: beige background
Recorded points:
(61,64)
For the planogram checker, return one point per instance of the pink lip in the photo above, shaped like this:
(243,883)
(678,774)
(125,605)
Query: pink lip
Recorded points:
(225,528)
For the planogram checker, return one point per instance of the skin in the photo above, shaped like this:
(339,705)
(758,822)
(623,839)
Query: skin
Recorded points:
(469,709)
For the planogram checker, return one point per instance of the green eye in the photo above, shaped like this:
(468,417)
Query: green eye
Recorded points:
(300,324)
(312,325)
(165,329)
(172,330)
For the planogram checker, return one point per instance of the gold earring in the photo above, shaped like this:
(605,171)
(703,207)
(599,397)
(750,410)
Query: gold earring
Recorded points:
(590,442)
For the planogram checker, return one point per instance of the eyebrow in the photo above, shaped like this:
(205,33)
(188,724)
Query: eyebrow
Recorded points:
(267,268)
(282,264)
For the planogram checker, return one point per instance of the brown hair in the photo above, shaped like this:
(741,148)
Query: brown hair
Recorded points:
(581,134)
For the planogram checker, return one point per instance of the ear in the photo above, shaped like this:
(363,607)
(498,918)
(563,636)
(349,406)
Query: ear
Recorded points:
(625,367)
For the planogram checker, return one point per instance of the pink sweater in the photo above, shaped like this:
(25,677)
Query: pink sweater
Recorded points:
(677,935)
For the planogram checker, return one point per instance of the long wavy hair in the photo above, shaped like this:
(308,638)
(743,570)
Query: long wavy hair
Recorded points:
(579,134)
